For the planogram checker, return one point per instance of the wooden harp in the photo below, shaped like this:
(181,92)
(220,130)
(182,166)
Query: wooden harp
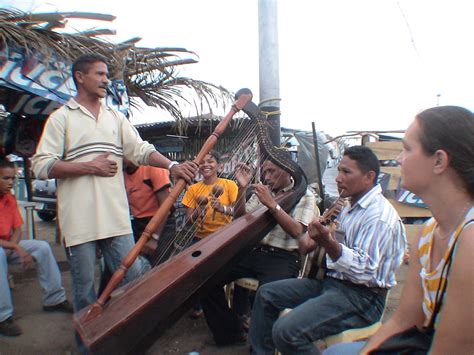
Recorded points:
(143,307)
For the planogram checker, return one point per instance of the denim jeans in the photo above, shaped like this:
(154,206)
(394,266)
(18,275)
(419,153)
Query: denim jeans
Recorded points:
(319,308)
(345,348)
(49,275)
(265,266)
(82,259)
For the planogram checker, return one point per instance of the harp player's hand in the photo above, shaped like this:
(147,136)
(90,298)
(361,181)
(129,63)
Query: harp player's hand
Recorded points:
(243,174)
(264,195)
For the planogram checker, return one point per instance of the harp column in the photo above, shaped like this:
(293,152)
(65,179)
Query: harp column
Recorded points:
(269,76)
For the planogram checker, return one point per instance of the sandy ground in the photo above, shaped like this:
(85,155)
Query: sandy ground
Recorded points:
(52,333)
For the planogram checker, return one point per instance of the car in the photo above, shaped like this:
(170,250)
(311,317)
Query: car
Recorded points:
(44,194)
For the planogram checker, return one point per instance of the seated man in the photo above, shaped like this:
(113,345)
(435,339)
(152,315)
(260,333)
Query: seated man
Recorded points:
(16,251)
(275,258)
(360,269)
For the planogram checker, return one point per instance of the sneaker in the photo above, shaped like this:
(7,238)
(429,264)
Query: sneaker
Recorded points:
(9,328)
(64,307)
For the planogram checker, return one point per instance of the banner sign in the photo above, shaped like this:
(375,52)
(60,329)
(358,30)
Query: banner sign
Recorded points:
(32,72)
(409,198)
(46,83)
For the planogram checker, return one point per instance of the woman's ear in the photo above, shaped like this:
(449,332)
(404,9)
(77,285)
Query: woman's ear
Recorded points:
(441,161)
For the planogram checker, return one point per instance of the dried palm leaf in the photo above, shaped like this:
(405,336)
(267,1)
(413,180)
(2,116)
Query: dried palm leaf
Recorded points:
(150,74)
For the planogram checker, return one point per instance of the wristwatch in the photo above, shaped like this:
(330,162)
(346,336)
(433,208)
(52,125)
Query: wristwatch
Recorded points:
(275,209)
(173,163)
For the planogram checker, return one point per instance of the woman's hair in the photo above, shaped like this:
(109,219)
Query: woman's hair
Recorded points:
(450,128)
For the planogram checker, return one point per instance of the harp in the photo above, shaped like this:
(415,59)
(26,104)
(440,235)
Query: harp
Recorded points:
(141,309)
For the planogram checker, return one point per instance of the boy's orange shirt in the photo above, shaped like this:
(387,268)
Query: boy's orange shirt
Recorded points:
(141,195)
(10,217)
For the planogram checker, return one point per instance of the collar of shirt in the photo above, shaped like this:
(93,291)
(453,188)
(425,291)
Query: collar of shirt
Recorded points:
(285,189)
(72,104)
(365,200)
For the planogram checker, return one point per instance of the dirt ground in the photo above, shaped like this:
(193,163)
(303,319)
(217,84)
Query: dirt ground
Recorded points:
(52,333)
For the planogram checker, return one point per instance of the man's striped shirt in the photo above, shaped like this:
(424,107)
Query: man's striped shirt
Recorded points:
(374,242)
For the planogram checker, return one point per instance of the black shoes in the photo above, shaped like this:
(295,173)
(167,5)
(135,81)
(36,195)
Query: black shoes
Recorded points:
(64,307)
(9,328)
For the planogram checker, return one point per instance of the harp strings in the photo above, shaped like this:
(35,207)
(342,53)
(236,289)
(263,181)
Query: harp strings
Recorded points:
(244,150)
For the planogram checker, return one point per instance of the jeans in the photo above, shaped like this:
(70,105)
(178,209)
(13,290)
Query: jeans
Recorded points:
(345,348)
(82,259)
(265,266)
(49,275)
(320,308)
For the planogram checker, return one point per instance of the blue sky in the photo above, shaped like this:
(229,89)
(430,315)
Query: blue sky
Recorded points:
(346,65)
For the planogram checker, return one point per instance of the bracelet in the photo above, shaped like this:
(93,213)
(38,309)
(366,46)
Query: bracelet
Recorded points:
(228,210)
(173,163)
(275,209)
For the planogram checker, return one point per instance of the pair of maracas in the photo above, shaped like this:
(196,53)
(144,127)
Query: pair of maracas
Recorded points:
(202,201)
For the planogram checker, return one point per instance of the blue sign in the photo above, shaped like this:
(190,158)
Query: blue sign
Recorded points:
(409,198)
(46,82)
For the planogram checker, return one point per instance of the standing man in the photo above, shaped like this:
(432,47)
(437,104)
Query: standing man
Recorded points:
(276,257)
(83,146)
(361,269)
(13,250)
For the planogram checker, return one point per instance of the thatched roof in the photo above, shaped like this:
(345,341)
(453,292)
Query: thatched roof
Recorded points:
(150,74)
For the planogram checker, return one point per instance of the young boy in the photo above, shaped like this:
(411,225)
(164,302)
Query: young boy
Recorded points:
(25,252)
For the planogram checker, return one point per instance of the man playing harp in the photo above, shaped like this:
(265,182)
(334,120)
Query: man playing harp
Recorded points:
(276,257)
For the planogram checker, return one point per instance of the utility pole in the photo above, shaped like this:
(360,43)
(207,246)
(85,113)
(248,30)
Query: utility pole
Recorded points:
(269,74)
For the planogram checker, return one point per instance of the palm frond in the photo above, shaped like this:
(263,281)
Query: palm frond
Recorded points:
(150,74)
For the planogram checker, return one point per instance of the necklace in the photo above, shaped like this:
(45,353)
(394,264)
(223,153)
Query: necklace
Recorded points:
(447,235)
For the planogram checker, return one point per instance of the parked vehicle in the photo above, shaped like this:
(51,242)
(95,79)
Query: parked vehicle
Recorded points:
(44,194)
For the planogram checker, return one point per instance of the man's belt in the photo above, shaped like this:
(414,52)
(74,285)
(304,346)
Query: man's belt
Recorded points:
(269,249)
(377,290)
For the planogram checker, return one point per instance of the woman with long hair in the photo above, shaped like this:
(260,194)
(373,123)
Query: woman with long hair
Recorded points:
(437,164)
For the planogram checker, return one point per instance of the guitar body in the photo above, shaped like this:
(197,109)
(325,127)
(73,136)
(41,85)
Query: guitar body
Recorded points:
(318,261)
(318,264)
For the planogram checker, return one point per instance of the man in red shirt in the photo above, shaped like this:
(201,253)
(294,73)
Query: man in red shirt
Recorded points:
(24,252)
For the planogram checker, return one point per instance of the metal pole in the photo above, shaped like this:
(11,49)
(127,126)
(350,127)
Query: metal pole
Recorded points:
(318,164)
(269,65)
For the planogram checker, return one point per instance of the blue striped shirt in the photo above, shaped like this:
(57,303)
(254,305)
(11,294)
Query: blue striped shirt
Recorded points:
(374,242)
